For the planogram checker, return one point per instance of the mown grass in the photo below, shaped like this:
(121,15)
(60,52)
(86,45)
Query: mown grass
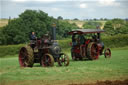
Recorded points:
(77,72)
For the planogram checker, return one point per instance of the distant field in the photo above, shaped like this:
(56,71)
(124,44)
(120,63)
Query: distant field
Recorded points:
(77,22)
(77,72)
(80,23)
(3,22)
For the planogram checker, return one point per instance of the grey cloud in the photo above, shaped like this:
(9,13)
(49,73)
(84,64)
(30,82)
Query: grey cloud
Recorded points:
(66,9)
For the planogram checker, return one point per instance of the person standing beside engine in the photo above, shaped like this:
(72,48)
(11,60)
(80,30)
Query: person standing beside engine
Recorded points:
(81,39)
(74,40)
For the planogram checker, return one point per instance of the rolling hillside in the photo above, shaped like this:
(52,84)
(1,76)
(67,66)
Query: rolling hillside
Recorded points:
(3,22)
(79,23)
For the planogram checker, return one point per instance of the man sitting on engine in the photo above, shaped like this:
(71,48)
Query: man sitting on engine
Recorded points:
(33,39)
(33,36)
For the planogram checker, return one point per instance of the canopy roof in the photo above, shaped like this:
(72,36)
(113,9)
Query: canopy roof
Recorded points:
(85,31)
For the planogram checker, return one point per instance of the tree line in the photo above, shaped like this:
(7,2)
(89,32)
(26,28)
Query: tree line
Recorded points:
(116,26)
(18,30)
(112,27)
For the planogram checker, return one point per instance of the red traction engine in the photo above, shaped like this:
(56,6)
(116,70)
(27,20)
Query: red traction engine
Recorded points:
(87,44)
(45,51)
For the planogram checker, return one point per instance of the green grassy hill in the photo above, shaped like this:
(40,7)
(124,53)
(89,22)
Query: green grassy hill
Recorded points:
(77,22)
(80,23)
(3,22)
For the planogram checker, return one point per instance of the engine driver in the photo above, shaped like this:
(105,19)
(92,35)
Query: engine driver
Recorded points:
(33,39)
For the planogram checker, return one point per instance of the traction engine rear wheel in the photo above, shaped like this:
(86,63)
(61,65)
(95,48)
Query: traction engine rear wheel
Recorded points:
(92,51)
(107,53)
(63,60)
(47,60)
(26,57)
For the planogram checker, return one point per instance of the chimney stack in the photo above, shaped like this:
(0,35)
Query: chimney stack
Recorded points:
(53,31)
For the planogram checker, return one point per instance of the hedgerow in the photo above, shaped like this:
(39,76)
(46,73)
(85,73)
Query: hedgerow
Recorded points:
(109,41)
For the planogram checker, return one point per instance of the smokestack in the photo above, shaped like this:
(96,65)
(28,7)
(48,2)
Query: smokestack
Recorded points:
(53,31)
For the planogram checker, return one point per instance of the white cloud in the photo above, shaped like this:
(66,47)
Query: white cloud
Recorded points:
(39,0)
(83,5)
(19,0)
(55,9)
(46,0)
(68,9)
(35,0)
(108,3)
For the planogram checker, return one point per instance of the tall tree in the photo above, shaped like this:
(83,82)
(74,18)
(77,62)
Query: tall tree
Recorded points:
(18,30)
(60,18)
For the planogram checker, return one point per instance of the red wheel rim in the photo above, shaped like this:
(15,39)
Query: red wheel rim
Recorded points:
(22,57)
(46,61)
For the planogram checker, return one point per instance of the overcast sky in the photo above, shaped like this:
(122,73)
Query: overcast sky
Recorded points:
(68,9)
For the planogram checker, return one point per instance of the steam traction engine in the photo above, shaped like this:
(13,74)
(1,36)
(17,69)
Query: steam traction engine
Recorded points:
(45,51)
(86,44)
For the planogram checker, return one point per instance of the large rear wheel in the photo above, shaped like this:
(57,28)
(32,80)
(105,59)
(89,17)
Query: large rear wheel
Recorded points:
(63,60)
(47,60)
(26,57)
(92,51)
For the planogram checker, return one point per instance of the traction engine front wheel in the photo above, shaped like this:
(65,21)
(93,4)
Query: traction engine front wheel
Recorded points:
(63,60)
(107,53)
(47,60)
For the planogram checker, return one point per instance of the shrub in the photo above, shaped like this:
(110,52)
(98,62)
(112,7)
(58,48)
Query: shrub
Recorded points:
(116,41)
(9,50)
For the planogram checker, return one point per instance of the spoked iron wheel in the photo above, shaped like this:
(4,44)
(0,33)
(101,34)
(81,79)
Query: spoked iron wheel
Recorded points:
(107,53)
(47,60)
(26,58)
(63,60)
(92,51)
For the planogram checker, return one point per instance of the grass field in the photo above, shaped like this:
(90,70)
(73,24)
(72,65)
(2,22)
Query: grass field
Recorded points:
(78,72)
(81,23)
